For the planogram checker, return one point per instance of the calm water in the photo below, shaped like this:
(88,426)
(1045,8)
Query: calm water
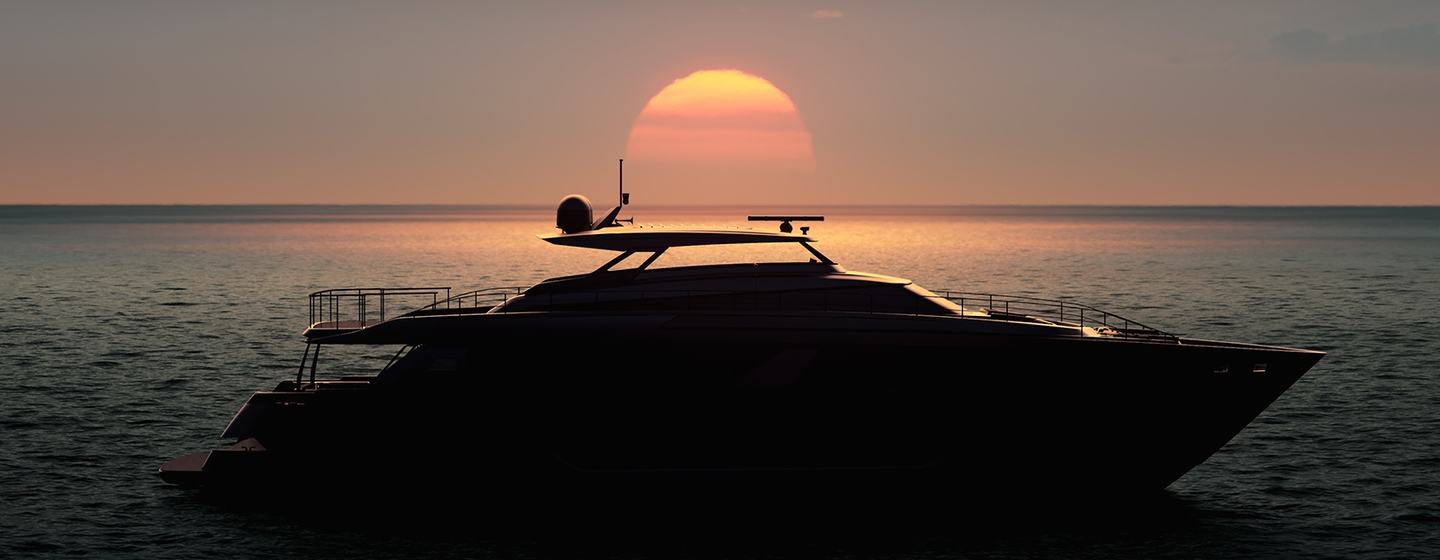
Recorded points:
(130,335)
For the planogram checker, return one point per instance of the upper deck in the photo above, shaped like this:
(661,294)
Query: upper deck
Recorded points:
(817,286)
(793,289)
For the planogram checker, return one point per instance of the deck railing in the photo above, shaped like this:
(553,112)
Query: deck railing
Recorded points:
(1055,311)
(359,307)
(367,306)
(352,308)
(484,298)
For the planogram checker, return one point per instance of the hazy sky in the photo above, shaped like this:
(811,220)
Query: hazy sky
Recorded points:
(1304,102)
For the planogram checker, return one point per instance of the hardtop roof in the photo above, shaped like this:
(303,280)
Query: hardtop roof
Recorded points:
(644,239)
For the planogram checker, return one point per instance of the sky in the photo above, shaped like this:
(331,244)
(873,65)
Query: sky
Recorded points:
(1308,102)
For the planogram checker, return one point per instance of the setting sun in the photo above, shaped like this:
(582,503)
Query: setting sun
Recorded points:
(594,269)
(721,116)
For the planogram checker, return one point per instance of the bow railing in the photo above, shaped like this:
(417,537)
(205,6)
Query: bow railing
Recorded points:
(1053,310)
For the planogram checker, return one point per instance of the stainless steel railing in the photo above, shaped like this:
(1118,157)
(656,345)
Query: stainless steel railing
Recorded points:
(1054,311)
(360,307)
(367,306)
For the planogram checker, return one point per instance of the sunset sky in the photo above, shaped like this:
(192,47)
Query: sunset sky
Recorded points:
(833,102)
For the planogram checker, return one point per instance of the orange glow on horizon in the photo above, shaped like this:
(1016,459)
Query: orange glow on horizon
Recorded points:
(724,117)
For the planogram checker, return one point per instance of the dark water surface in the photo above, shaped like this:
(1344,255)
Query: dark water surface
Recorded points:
(129,335)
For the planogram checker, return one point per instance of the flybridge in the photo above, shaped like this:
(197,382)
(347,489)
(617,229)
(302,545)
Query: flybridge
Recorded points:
(335,314)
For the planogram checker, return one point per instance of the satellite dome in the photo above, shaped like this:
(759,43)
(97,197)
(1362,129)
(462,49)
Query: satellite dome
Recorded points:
(574,214)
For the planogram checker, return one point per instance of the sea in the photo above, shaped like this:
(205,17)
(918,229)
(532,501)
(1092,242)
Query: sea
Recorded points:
(130,334)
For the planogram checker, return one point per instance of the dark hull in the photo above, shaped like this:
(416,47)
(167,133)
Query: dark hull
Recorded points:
(706,405)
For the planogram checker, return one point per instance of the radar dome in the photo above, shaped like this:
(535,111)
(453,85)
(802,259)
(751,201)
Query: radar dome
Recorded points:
(574,214)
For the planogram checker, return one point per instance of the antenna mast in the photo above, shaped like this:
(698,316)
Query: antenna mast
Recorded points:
(622,183)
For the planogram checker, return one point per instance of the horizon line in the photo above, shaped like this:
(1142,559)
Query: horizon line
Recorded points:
(696,205)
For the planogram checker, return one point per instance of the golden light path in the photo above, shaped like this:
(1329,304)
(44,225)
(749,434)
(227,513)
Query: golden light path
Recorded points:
(721,117)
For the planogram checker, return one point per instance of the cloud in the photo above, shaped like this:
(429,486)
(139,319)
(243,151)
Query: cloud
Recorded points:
(827,14)
(1414,44)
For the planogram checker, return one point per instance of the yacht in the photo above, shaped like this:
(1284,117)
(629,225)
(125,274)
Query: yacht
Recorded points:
(777,375)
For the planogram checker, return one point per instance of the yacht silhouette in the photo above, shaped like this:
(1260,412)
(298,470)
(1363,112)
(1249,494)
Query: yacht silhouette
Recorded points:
(800,376)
